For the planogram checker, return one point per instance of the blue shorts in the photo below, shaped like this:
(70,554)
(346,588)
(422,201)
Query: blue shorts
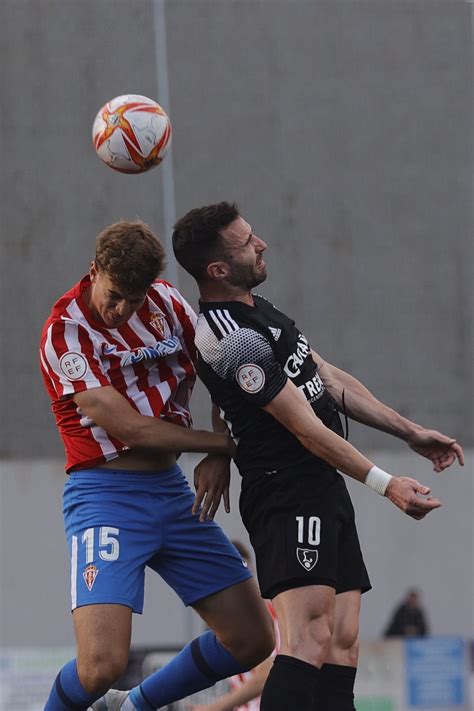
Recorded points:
(119,522)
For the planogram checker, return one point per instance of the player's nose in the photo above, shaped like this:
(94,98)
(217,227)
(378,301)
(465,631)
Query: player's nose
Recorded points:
(122,307)
(260,245)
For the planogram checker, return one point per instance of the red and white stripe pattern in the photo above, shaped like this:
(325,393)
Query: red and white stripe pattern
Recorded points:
(77,354)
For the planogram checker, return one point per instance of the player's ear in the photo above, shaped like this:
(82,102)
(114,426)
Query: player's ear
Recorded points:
(217,270)
(93,271)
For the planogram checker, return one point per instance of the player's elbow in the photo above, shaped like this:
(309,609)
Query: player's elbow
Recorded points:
(143,432)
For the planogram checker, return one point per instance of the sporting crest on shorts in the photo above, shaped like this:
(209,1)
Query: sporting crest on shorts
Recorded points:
(307,558)
(90,575)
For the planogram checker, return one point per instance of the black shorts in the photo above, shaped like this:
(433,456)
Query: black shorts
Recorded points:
(302,528)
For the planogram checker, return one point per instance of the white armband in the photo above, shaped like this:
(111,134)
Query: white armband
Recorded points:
(378,480)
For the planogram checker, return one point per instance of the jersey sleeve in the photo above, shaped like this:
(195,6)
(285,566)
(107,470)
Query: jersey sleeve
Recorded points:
(70,359)
(246,361)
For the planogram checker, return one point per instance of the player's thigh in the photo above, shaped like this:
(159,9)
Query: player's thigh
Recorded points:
(103,634)
(304,611)
(196,559)
(344,648)
(239,617)
(351,570)
(108,550)
(294,527)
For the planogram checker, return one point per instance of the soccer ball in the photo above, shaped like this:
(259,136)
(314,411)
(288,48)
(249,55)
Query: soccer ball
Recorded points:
(131,133)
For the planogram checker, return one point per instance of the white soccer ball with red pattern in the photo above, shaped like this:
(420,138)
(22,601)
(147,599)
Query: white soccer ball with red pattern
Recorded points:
(131,133)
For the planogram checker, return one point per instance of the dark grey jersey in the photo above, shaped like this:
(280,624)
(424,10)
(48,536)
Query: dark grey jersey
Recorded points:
(246,354)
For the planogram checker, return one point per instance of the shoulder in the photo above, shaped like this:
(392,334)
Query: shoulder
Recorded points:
(221,340)
(58,331)
(168,298)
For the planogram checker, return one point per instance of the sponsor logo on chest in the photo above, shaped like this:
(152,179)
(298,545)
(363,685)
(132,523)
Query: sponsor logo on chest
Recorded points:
(293,365)
(160,349)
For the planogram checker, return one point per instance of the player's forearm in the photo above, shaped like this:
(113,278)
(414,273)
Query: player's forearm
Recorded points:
(327,445)
(151,433)
(363,407)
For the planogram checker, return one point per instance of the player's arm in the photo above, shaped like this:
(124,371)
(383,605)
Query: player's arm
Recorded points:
(248,690)
(363,407)
(212,477)
(293,411)
(107,408)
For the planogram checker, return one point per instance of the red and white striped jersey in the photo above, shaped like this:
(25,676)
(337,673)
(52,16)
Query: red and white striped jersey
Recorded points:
(149,360)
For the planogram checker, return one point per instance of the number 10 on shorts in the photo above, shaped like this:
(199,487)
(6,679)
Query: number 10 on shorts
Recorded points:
(312,526)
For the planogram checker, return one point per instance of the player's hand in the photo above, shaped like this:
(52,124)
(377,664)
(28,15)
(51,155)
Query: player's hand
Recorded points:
(437,447)
(407,494)
(203,707)
(211,481)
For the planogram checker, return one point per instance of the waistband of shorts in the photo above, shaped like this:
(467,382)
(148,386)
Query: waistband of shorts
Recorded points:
(312,467)
(111,475)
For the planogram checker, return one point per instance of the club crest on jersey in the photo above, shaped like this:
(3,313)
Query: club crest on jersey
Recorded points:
(251,378)
(158,322)
(307,558)
(89,575)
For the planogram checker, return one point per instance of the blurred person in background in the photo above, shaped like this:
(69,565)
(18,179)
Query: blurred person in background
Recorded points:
(245,688)
(117,361)
(281,400)
(409,618)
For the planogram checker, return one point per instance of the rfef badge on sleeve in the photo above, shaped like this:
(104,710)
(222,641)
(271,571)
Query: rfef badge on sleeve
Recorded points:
(251,378)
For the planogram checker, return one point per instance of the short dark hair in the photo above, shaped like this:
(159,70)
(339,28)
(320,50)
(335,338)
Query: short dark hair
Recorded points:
(131,254)
(196,236)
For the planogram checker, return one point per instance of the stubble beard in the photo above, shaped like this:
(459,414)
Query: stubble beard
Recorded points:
(247,278)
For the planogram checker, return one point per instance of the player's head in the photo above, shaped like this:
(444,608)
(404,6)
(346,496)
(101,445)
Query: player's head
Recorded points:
(128,259)
(215,244)
(412,598)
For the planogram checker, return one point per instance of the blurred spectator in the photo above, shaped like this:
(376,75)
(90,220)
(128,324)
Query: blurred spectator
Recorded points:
(409,618)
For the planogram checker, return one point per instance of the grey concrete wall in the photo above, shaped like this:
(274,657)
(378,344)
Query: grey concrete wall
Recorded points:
(435,555)
(342,128)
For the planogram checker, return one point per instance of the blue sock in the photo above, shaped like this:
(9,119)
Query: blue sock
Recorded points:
(67,693)
(199,665)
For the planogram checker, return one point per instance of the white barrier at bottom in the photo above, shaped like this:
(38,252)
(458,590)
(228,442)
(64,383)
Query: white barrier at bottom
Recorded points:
(432,674)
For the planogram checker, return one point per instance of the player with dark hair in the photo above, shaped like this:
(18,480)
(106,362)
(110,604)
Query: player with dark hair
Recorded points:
(117,358)
(281,400)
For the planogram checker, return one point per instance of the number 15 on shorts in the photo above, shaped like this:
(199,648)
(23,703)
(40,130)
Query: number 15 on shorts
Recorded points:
(309,530)
(108,548)
(99,542)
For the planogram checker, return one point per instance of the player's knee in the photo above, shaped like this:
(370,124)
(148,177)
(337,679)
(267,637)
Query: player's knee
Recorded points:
(262,645)
(251,649)
(312,642)
(345,646)
(320,630)
(99,672)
